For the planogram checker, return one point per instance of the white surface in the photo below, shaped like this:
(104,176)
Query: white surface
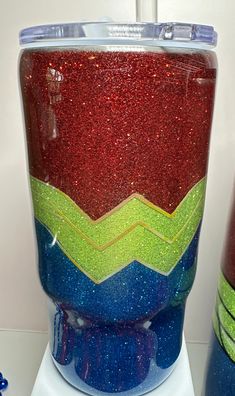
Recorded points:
(17,252)
(22,352)
(20,357)
(50,383)
(198,354)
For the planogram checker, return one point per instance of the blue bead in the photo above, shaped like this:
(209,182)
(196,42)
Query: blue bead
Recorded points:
(1,376)
(3,384)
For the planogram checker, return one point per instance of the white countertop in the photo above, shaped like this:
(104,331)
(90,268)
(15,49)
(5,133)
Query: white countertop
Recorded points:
(21,354)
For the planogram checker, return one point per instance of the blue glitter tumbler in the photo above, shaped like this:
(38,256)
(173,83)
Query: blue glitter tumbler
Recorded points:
(118,120)
(220,377)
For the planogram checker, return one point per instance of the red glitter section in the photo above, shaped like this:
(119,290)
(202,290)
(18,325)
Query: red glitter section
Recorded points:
(229,255)
(103,125)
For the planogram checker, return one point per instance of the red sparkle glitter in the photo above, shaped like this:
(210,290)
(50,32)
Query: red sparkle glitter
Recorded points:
(103,125)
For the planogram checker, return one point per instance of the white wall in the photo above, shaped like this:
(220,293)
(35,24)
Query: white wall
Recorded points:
(22,301)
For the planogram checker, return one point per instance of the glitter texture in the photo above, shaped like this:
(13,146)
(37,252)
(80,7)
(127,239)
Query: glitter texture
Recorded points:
(228,262)
(118,150)
(135,358)
(220,374)
(102,126)
(220,378)
(134,294)
(134,211)
(224,317)
(135,230)
(133,321)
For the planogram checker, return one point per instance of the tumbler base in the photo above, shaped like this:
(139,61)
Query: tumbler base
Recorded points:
(49,382)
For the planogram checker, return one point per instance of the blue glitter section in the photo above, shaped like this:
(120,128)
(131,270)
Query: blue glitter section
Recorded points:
(168,326)
(133,294)
(220,378)
(130,360)
(123,335)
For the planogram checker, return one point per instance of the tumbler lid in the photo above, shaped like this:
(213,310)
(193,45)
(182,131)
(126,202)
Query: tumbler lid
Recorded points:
(95,33)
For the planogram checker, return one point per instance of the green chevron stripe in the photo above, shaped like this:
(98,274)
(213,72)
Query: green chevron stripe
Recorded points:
(225,309)
(133,212)
(226,320)
(228,344)
(227,294)
(140,245)
(62,218)
(216,326)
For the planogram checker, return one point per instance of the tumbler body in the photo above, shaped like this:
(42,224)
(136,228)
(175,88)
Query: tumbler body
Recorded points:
(118,140)
(220,377)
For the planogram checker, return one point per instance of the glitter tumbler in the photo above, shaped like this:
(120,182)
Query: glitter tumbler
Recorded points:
(220,379)
(118,120)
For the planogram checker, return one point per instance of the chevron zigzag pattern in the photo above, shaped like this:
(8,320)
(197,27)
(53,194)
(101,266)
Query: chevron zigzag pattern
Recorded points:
(224,317)
(134,230)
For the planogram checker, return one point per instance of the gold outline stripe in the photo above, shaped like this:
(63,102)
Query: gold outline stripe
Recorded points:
(123,203)
(124,265)
(101,248)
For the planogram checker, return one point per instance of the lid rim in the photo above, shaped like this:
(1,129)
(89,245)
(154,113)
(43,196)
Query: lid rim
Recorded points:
(165,32)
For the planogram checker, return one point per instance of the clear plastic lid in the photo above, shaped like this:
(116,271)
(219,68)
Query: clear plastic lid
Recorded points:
(91,33)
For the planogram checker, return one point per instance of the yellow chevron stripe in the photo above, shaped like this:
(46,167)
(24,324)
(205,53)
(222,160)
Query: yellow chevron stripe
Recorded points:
(143,234)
